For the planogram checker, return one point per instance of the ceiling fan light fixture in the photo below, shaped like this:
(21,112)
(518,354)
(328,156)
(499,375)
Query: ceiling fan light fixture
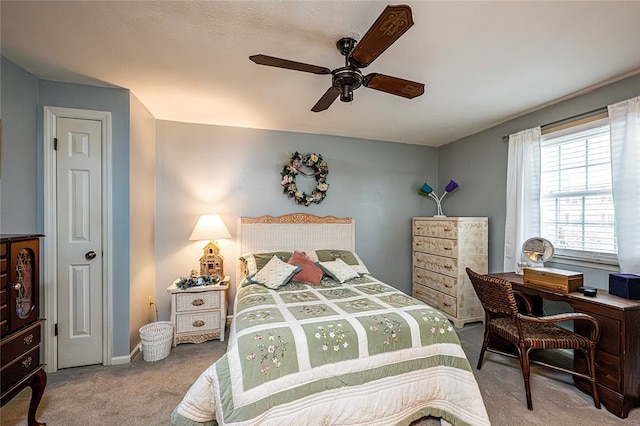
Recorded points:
(347,93)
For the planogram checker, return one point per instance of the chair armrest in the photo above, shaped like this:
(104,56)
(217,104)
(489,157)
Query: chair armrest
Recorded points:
(525,299)
(595,326)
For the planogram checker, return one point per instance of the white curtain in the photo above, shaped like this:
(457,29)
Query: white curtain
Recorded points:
(624,120)
(523,194)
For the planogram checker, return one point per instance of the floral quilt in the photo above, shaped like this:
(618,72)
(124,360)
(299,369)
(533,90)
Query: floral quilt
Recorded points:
(359,353)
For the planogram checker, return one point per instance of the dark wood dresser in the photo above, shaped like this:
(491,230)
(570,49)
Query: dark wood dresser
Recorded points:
(20,322)
(618,351)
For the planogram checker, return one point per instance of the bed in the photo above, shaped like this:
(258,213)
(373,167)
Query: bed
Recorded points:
(325,352)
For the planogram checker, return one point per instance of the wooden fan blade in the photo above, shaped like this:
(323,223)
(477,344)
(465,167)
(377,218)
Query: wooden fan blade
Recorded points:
(393,85)
(326,100)
(390,25)
(290,65)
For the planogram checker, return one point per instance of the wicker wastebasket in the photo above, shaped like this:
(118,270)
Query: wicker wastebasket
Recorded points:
(156,339)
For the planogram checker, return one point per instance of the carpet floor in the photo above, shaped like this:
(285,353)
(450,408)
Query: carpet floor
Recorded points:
(145,393)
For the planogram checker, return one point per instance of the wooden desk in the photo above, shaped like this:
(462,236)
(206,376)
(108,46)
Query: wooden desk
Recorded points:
(618,351)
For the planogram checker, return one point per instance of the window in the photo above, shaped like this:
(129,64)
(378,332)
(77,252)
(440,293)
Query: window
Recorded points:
(576,202)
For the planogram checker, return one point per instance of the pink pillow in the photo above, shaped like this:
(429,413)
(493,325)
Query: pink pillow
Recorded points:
(310,272)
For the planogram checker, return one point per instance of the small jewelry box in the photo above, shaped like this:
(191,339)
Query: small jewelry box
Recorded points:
(625,285)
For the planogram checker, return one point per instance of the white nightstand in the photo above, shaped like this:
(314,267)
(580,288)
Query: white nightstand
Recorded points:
(198,313)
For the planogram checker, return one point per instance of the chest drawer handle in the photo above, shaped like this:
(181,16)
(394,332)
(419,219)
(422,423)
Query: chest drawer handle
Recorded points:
(198,323)
(27,362)
(198,302)
(28,340)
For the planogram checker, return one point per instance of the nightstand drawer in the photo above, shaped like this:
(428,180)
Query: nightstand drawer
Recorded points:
(190,302)
(197,322)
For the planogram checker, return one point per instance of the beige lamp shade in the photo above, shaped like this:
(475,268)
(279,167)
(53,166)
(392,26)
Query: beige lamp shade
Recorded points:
(210,227)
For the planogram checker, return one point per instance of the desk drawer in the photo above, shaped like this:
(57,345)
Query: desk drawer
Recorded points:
(610,332)
(608,369)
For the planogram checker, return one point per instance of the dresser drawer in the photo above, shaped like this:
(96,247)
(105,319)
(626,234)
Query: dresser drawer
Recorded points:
(198,322)
(439,264)
(436,228)
(439,246)
(19,343)
(17,370)
(441,301)
(190,302)
(442,283)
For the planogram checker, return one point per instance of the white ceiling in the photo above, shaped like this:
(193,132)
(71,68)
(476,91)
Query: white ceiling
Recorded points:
(482,62)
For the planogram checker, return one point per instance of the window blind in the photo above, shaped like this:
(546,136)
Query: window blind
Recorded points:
(577,212)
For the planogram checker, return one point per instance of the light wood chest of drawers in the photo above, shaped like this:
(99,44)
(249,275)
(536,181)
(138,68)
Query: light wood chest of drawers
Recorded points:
(442,248)
(199,313)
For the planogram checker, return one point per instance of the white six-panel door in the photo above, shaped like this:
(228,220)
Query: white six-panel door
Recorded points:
(79,242)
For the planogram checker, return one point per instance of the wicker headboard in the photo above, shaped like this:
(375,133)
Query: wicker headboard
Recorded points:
(297,231)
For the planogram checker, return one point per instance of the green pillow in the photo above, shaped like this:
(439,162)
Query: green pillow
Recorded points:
(345,255)
(264,258)
(253,262)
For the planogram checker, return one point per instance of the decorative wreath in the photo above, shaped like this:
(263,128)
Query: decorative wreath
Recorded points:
(320,172)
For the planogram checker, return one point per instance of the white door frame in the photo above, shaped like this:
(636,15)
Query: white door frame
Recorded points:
(50,290)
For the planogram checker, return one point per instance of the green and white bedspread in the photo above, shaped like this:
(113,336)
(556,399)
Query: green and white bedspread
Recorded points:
(359,353)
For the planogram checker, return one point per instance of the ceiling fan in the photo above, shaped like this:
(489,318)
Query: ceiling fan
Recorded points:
(390,25)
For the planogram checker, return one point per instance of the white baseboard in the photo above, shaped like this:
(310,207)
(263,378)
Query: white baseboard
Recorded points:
(137,350)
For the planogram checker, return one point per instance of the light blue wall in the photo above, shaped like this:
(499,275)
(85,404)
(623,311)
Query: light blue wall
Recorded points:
(479,164)
(236,172)
(18,172)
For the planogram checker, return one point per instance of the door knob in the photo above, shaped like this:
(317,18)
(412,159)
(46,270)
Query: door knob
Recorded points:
(90,255)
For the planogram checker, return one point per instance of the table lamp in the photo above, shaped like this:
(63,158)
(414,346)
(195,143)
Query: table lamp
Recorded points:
(210,227)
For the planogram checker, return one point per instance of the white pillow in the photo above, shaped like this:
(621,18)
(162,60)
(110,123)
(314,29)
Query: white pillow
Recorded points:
(339,270)
(274,274)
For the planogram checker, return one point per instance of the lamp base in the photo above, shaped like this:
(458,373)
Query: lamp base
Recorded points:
(439,215)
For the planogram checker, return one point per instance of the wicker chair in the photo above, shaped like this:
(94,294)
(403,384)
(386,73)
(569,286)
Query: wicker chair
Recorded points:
(527,332)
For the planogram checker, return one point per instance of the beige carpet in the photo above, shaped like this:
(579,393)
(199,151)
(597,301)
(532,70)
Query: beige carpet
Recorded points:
(144,393)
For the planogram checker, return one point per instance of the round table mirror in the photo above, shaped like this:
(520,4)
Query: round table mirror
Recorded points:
(538,250)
